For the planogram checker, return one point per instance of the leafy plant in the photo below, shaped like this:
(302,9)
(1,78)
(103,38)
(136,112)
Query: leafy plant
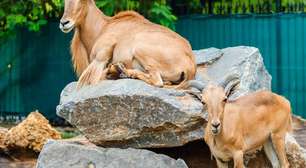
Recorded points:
(24,13)
(161,13)
(157,11)
(110,7)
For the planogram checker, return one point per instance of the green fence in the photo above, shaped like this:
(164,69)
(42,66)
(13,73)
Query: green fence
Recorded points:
(280,38)
(35,67)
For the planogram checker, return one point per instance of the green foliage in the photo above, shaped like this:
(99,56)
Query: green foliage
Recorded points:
(224,7)
(24,13)
(111,7)
(161,13)
(69,134)
(33,14)
(157,11)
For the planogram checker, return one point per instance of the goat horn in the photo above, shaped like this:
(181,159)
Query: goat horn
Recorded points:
(196,84)
(228,79)
(231,85)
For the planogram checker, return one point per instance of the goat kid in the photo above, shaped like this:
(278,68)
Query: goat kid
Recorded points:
(244,125)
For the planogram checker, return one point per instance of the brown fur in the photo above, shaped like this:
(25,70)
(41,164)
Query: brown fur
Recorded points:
(128,14)
(246,125)
(79,54)
(127,42)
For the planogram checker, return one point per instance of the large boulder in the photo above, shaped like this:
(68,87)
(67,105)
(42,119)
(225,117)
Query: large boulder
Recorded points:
(57,154)
(131,113)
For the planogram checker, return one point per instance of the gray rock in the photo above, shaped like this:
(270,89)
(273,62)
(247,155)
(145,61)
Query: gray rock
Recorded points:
(57,154)
(244,61)
(295,153)
(131,113)
(207,56)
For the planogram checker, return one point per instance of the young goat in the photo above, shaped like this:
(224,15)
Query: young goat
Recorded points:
(245,125)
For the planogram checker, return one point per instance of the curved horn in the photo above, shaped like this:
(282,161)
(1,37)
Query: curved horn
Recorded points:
(229,78)
(196,84)
(230,83)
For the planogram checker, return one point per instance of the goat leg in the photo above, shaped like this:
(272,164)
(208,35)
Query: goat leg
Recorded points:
(279,145)
(152,78)
(238,159)
(271,154)
(221,164)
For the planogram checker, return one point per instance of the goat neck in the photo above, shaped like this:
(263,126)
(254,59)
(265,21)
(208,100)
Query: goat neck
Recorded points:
(91,25)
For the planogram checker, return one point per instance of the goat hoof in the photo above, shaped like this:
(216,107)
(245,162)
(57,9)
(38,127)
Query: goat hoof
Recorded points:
(120,67)
(122,70)
(123,76)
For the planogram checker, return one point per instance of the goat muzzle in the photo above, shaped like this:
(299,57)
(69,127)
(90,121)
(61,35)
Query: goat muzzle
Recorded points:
(215,128)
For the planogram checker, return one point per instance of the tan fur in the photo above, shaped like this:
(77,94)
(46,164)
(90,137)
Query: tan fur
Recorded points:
(129,42)
(127,14)
(79,54)
(246,125)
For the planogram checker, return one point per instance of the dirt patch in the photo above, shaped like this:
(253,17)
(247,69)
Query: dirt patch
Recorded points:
(18,159)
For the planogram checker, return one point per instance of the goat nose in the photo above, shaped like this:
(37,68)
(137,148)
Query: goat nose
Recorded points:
(64,22)
(216,125)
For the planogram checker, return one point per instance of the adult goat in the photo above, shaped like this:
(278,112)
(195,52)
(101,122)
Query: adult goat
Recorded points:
(137,47)
(236,127)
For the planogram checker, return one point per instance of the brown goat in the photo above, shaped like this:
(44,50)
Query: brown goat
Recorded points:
(126,43)
(244,125)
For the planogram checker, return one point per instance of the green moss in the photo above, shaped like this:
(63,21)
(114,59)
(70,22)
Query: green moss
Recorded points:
(69,134)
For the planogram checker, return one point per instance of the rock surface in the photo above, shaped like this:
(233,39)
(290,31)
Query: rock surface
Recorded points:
(3,132)
(131,113)
(57,154)
(215,65)
(295,153)
(31,133)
